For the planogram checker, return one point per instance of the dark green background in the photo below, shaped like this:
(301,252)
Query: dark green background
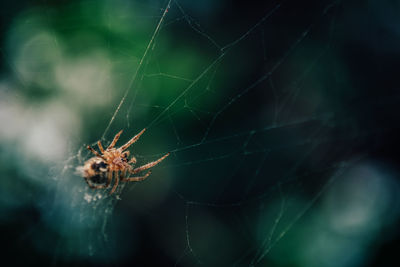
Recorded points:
(281,119)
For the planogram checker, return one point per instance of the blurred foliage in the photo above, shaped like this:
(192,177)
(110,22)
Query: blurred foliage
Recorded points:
(280,118)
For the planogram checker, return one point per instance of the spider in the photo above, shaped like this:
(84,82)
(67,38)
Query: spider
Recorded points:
(100,168)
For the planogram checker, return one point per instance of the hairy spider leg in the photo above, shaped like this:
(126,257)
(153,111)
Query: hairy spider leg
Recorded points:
(133,140)
(116,183)
(109,178)
(132,160)
(114,141)
(136,178)
(95,152)
(149,165)
(100,147)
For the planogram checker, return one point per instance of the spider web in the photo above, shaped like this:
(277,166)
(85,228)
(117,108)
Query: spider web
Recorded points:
(256,114)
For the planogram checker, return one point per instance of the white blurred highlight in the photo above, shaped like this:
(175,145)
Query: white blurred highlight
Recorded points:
(358,203)
(36,57)
(40,131)
(86,80)
(354,211)
(43,129)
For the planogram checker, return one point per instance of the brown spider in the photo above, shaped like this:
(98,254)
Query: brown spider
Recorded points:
(100,169)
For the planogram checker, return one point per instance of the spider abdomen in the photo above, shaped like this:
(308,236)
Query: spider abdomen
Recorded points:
(96,170)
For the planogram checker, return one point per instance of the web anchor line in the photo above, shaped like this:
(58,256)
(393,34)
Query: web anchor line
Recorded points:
(224,50)
(150,44)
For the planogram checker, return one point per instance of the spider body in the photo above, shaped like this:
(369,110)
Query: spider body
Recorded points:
(96,170)
(114,162)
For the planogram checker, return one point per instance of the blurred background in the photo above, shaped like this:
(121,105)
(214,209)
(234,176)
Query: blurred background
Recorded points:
(281,118)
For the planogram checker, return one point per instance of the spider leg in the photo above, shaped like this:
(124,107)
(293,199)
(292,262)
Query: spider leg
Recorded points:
(116,183)
(100,147)
(132,160)
(109,178)
(94,152)
(114,141)
(136,179)
(133,140)
(148,165)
